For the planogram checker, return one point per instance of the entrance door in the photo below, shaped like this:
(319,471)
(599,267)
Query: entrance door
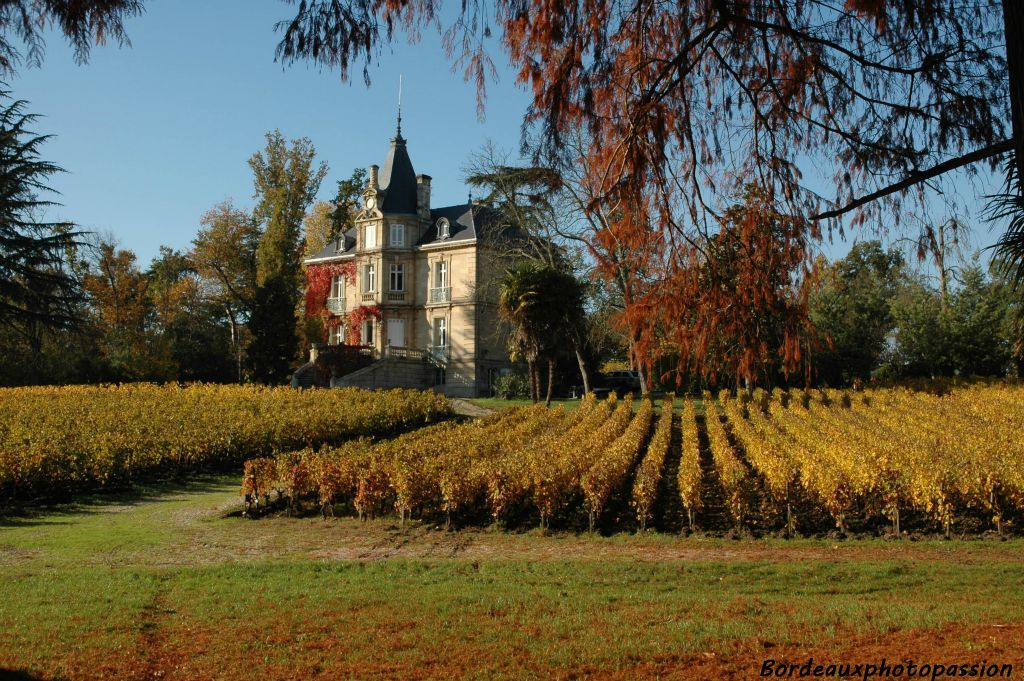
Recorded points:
(396,333)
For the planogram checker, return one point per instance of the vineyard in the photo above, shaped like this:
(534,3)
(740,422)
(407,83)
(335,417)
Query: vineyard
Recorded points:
(57,440)
(878,461)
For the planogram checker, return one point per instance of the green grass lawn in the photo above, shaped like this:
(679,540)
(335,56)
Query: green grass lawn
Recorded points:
(172,583)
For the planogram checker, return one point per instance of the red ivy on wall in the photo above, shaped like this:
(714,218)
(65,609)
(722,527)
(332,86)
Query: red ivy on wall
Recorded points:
(355,321)
(318,285)
(318,288)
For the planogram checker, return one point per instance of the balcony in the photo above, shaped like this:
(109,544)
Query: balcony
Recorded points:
(439,353)
(393,351)
(395,296)
(441,294)
(368,296)
(336,305)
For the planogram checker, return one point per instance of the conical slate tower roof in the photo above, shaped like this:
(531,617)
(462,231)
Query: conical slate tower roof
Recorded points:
(397,178)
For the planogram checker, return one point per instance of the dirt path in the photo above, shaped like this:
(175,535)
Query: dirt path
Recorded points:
(464,408)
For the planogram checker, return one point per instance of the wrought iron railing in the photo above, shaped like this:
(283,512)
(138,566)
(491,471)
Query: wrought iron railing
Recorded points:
(441,294)
(439,353)
(336,305)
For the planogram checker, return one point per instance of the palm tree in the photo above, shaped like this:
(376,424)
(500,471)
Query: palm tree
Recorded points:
(1009,250)
(517,304)
(544,307)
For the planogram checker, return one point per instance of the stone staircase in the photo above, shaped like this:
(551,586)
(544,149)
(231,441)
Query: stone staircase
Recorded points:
(396,368)
(305,376)
(390,372)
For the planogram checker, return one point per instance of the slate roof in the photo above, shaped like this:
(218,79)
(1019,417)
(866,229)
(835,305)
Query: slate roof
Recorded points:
(465,223)
(339,247)
(397,179)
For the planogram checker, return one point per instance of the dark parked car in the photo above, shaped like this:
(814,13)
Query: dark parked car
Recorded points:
(622,382)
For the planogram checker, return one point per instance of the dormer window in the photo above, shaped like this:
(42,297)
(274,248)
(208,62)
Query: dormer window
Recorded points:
(443,228)
(370,236)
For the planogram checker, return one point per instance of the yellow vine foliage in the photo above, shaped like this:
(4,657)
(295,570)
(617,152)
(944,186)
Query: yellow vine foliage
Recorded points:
(731,471)
(863,455)
(608,473)
(690,474)
(650,470)
(60,439)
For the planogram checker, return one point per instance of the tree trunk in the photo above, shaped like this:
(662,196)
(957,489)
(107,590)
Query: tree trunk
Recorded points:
(235,346)
(940,261)
(1013,25)
(635,366)
(627,300)
(583,369)
(531,369)
(551,381)
(35,344)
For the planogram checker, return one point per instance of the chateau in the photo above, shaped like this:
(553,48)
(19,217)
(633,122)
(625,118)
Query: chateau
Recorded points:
(427,281)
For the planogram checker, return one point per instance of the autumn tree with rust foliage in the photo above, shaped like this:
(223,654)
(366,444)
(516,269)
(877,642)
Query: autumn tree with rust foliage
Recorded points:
(738,311)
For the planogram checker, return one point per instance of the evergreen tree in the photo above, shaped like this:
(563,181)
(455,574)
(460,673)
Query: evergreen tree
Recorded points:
(852,312)
(273,323)
(970,336)
(978,313)
(37,292)
(347,202)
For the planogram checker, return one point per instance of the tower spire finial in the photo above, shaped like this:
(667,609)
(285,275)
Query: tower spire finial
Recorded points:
(399,106)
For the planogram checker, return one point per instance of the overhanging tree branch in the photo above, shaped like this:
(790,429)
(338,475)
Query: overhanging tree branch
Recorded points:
(915,178)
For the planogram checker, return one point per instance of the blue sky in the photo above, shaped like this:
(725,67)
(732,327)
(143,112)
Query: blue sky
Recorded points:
(155,134)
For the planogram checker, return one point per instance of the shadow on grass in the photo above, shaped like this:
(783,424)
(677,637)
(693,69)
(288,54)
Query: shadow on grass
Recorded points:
(30,513)
(18,675)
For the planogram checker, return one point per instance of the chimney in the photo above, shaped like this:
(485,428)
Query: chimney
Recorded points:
(373,176)
(423,197)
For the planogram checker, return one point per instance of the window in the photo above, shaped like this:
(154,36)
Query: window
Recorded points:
(367,332)
(369,278)
(336,336)
(441,332)
(338,286)
(397,277)
(398,235)
(441,274)
(443,228)
(370,233)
